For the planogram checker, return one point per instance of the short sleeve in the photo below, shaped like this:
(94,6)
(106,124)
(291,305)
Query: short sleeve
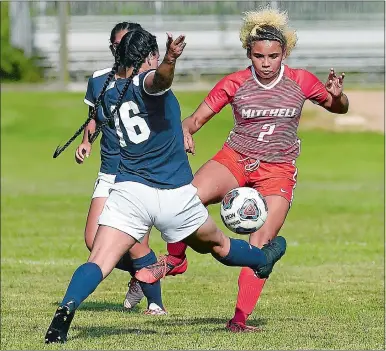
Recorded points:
(221,94)
(313,88)
(89,99)
(141,81)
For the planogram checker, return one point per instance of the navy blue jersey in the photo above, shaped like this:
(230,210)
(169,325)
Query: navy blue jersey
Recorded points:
(150,135)
(109,141)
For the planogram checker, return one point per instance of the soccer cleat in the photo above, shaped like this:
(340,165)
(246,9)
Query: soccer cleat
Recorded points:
(236,327)
(166,265)
(58,329)
(134,295)
(274,250)
(155,310)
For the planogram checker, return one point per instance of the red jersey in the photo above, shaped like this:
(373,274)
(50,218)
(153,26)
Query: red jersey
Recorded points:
(266,117)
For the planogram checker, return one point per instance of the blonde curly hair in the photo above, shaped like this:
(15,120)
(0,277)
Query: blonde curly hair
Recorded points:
(255,21)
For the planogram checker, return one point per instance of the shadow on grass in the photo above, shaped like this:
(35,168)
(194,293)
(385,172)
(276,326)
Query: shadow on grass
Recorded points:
(212,323)
(102,306)
(98,332)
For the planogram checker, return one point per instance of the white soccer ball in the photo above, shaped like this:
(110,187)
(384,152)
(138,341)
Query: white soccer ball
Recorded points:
(244,210)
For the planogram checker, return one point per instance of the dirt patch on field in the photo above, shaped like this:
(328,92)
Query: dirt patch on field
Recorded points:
(366,113)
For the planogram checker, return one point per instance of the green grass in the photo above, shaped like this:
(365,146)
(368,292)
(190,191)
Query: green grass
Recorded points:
(326,293)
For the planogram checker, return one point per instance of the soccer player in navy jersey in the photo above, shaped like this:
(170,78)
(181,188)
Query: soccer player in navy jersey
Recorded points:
(267,100)
(153,183)
(140,255)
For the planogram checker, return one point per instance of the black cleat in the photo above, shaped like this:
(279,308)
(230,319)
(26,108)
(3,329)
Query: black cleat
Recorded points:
(58,329)
(274,250)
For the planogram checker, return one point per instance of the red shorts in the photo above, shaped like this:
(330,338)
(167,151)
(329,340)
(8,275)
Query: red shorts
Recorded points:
(267,178)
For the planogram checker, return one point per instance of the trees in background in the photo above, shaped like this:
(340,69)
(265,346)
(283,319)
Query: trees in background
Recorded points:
(15,66)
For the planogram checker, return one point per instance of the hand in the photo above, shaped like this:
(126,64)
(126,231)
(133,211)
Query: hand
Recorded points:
(189,142)
(83,150)
(334,84)
(174,48)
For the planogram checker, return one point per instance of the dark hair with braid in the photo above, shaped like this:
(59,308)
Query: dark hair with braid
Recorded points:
(92,115)
(118,28)
(134,48)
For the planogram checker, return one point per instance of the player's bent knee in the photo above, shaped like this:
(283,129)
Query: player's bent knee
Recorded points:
(89,240)
(139,250)
(207,239)
(89,235)
(202,193)
(88,244)
(105,258)
(262,236)
(106,266)
(195,243)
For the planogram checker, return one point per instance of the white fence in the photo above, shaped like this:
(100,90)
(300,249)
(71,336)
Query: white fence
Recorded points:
(348,41)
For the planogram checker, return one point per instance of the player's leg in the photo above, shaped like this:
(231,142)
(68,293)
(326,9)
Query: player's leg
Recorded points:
(134,292)
(102,187)
(213,180)
(276,183)
(123,222)
(94,212)
(139,256)
(101,192)
(236,252)
(250,285)
(109,245)
(142,256)
(189,215)
(218,176)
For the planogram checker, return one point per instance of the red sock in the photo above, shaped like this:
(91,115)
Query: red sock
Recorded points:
(250,288)
(177,249)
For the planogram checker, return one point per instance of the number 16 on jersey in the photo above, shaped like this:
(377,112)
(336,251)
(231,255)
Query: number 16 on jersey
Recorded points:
(136,127)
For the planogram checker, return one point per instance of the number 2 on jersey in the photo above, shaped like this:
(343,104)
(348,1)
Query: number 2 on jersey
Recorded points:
(136,127)
(267,129)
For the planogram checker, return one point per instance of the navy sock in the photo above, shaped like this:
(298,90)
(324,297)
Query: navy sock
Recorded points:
(84,281)
(126,264)
(242,254)
(151,291)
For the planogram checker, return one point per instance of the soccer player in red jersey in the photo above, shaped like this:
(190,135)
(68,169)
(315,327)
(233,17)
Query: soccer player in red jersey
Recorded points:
(267,100)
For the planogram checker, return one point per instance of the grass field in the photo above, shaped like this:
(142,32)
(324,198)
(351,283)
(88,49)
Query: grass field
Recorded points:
(326,293)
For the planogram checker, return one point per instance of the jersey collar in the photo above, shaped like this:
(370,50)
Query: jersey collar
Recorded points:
(272,84)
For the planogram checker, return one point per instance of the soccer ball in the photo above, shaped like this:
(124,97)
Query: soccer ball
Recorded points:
(243,210)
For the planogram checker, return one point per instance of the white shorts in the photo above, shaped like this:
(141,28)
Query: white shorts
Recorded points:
(134,208)
(103,184)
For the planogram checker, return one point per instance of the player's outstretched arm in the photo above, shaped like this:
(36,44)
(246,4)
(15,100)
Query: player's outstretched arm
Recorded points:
(337,101)
(199,117)
(193,123)
(162,78)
